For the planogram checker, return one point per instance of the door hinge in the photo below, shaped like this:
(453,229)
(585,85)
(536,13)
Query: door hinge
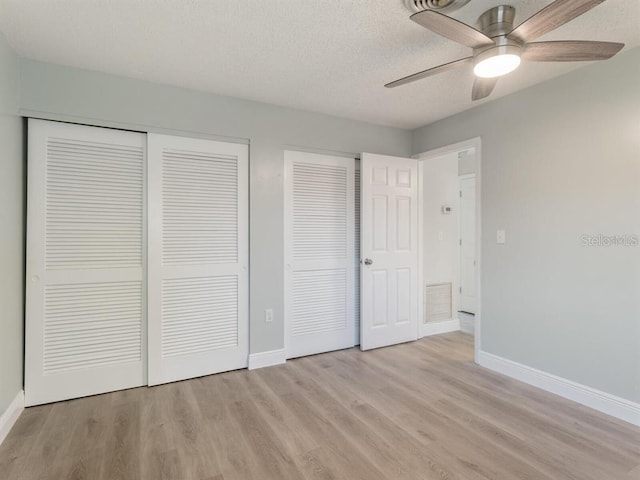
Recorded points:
(460,242)
(460,289)
(460,193)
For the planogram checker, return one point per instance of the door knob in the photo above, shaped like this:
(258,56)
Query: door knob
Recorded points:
(368,261)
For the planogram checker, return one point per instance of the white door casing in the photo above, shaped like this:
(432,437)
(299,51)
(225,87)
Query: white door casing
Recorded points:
(319,253)
(198,257)
(389,250)
(468,243)
(85,329)
(356,283)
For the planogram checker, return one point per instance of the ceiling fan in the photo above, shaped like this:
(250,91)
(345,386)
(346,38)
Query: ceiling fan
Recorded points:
(498,48)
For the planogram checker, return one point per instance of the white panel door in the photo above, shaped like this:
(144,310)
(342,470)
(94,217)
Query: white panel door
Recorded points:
(389,250)
(468,244)
(319,253)
(198,257)
(84,279)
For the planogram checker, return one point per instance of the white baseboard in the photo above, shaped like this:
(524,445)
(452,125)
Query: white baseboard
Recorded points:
(10,415)
(598,400)
(267,359)
(436,328)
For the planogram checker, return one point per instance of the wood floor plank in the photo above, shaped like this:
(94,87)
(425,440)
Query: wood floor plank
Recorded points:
(122,459)
(293,434)
(339,451)
(421,410)
(634,474)
(270,457)
(50,444)
(196,458)
(229,447)
(314,466)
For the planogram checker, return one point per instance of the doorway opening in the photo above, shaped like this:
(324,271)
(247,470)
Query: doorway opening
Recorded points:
(450,239)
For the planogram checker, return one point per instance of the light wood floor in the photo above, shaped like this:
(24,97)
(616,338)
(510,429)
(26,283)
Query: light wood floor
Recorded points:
(415,411)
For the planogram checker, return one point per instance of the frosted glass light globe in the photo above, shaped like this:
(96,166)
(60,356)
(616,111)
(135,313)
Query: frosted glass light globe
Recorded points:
(497,61)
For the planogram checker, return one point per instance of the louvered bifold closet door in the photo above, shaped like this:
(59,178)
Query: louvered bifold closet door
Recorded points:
(319,253)
(84,280)
(198,257)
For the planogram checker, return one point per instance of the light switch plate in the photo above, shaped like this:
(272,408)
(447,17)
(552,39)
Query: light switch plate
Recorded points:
(268,315)
(501,237)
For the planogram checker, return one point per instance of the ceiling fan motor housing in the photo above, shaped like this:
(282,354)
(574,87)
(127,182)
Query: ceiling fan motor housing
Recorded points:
(497,21)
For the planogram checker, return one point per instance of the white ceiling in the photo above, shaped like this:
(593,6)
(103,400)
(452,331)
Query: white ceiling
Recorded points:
(329,56)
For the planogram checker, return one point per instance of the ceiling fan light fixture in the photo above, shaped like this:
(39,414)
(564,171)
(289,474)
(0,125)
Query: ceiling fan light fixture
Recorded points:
(497,61)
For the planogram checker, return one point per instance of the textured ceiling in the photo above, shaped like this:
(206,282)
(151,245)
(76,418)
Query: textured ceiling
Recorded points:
(329,56)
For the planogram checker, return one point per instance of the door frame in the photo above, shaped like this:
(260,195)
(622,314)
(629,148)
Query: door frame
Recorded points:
(466,176)
(476,144)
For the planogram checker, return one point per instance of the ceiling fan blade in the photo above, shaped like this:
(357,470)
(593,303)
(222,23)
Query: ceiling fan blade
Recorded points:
(482,87)
(429,72)
(570,51)
(452,29)
(551,17)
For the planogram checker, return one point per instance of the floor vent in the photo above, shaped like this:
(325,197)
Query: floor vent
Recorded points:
(438,303)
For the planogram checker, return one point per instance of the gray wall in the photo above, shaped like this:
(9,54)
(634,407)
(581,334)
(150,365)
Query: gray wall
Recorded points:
(560,160)
(11,229)
(100,99)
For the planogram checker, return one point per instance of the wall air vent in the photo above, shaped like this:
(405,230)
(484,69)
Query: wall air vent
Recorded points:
(439,5)
(438,303)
